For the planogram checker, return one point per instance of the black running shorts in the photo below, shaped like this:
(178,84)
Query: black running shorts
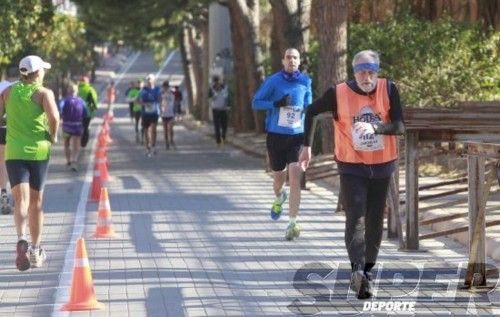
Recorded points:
(283,149)
(24,171)
(148,120)
(3,135)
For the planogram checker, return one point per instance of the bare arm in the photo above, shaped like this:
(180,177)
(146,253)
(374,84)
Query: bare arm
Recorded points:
(50,108)
(4,95)
(2,104)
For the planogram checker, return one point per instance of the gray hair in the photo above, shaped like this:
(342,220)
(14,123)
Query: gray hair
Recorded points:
(367,54)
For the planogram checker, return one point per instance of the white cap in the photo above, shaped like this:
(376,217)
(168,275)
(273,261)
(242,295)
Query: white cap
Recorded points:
(150,76)
(31,64)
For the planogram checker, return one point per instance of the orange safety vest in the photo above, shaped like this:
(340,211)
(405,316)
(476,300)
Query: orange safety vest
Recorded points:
(353,107)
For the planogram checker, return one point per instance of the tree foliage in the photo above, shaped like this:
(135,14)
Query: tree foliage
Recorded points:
(33,27)
(16,31)
(434,63)
(66,47)
(140,24)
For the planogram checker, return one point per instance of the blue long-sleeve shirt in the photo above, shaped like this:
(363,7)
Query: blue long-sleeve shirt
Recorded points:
(276,87)
(151,98)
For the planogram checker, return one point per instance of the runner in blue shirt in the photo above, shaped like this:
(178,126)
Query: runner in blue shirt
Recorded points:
(285,95)
(150,98)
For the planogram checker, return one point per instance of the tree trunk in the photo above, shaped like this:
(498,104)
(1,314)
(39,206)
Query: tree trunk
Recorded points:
(248,69)
(290,29)
(490,13)
(331,17)
(473,11)
(197,64)
(187,63)
(205,76)
(241,96)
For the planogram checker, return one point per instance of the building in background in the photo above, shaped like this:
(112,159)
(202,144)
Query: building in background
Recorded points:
(65,6)
(220,48)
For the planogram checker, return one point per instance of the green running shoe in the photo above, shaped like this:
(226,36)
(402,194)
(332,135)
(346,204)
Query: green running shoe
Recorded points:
(277,207)
(292,231)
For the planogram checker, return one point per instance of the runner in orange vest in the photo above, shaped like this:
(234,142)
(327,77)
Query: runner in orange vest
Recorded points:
(367,115)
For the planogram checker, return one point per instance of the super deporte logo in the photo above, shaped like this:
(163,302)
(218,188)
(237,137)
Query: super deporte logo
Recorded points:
(397,287)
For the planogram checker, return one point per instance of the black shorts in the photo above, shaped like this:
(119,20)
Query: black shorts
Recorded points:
(148,120)
(3,135)
(24,171)
(283,149)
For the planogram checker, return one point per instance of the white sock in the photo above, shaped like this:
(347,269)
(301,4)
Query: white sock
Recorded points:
(281,194)
(21,237)
(293,220)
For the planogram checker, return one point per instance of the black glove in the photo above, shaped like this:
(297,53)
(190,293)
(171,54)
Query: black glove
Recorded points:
(283,102)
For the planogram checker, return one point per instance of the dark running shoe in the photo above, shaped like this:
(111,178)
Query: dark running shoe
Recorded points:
(361,285)
(22,260)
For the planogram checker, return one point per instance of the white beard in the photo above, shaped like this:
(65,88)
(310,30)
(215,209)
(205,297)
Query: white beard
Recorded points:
(367,87)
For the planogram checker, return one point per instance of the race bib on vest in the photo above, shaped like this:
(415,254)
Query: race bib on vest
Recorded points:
(369,141)
(290,117)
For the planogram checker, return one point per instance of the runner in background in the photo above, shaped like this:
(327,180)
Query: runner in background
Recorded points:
(89,95)
(168,114)
(130,101)
(73,111)
(150,99)
(4,197)
(284,96)
(133,96)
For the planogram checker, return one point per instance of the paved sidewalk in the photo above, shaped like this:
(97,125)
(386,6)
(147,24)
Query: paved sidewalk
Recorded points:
(195,239)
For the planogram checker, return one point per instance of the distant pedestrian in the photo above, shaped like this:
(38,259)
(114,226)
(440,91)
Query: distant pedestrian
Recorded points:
(33,121)
(73,111)
(89,95)
(217,95)
(129,100)
(168,114)
(178,101)
(150,99)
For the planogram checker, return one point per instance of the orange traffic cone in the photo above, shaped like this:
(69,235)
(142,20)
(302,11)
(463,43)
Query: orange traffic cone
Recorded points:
(101,143)
(105,126)
(103,169)
(108,116)
(111,115)
(104,223)
(105,133)
(104,138)
(96,186)
(100,154)
(82,295)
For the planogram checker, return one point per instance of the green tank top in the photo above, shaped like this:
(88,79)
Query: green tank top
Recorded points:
(27,128)
(134,93)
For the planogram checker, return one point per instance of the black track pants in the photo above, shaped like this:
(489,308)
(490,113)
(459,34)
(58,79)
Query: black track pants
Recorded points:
(364,202)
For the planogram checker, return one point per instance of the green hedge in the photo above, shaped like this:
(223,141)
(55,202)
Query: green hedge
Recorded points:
(433,63)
